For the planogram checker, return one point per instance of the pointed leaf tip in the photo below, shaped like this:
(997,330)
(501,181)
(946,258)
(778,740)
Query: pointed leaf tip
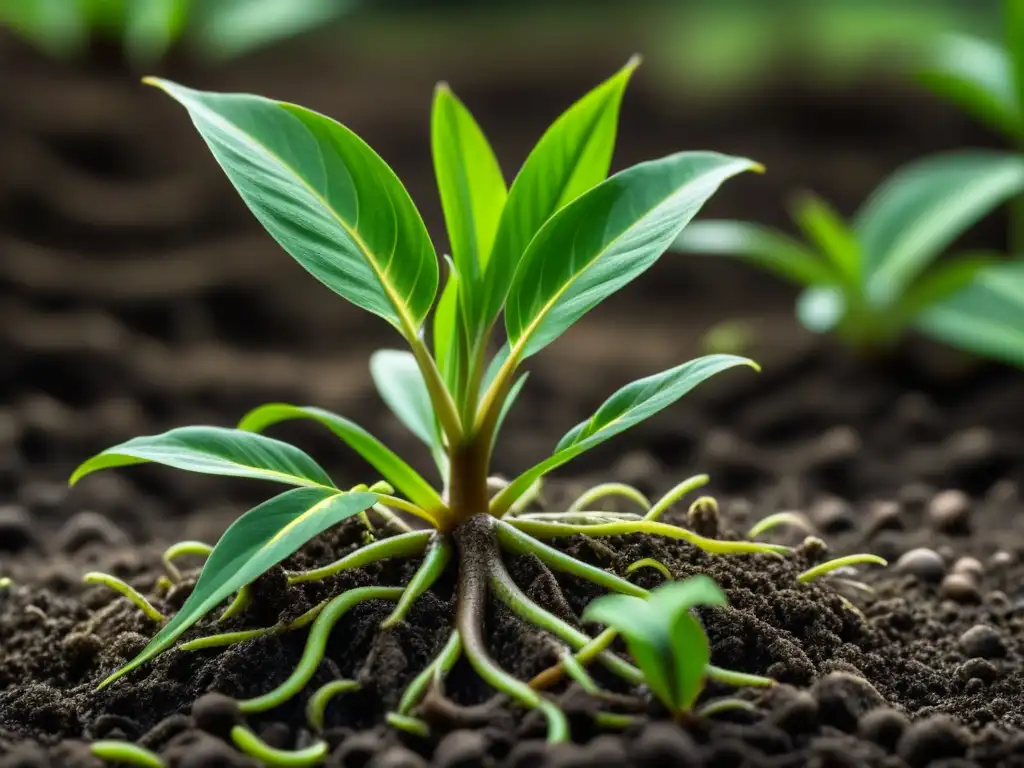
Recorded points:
(634,61)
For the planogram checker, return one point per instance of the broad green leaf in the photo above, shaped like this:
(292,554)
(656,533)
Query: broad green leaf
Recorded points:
(58,27)
(213,451)
(572,156)
(227,29)
(985,318)
(922,208)
(510,400)
(153,26)
(647,639)
(943,281)
(827,230)
(629,406)
(606,238)
(391,467)
(761,246)
(978,76)
(472,190)
(401,385)
(692,654)
(1014,25)
(821,307)
(255,542)
(326,197)
(450,346)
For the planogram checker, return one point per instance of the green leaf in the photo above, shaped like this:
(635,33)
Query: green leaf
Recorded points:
(326,197)
(668,644)
(761,246)
(943,281)
(572,156)
(606,238)
(976,75)
(922,208)
(1014,25)
(401,385)
(152,27)
(450,347)
(255,542)
(472,190)
(986,317)
(227,29)
(213,451)
(510,400)
(629,406)
(827,230)
(391,467)
(58,27)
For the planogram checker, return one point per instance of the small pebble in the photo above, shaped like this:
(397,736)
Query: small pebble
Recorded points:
(843,698)
(884,516)
(960,588)
(397,757)
(1001,559)
(914,497)
(832,515)
(216,714)
(209,751)
(661,744)
(983,641)
(949,511)
(970,567)
(1003,492)
(461,749)
(86,528)
(884,726)
(937,737)
(925,564)
(15,529)
(798,715)
(977,669)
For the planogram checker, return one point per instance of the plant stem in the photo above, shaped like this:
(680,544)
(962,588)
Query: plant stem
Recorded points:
(440,397)
(468,495)
(439,552)
(402,545)
(438,668)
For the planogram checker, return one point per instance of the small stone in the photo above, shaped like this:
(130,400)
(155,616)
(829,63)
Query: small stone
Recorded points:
(15,529)
(924,564)
(983,641)
(461,749)
(798,715)
(884,516)
(949,511)
(970,567)
(530,753)
(836,447)
(884,726)
(605,751)
(87,528)
(208,751)
(397,757)
(216,714)
(1003,492)
(977,669)
(960,589)
(26,756)
(832,515)
(998,602)
(661,744)
(843,698)
(1001,560)
(358,749)
(914,497)
(937,737)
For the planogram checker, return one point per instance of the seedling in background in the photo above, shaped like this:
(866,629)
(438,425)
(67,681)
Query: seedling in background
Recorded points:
(148,29)
(873,280)
(986,80)
(541,254)
(665,639)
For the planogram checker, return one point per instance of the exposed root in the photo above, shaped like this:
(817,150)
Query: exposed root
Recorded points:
(126,754)
(438,710)
(591,496)
(650,562)
(676,493)
(439,552)
(840,562)
(181,549)
(317,704)
(264,754)
(403,545)
(128,591)
(433,673)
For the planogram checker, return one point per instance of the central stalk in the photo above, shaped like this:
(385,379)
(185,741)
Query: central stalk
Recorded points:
(468,495)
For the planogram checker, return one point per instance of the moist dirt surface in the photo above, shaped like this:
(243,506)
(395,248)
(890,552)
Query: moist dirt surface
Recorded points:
(136,295)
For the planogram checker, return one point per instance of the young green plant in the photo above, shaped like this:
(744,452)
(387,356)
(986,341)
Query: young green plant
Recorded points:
(531,259)
(986,80)
(666,640)
(872,280)
(148,29)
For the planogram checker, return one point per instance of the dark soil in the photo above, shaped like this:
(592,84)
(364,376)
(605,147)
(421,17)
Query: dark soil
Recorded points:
(135,295)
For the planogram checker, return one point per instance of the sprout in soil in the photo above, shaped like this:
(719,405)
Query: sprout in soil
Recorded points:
(542,253)
(874,279)
(986,80)
(214,29)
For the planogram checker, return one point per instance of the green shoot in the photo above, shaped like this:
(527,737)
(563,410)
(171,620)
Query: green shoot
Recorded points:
(664,638)
(529,260)
(873,280)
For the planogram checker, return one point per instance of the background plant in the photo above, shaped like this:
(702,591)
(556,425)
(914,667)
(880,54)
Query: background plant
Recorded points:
(872,280)
(147,29)
(986,79)
(538,256)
